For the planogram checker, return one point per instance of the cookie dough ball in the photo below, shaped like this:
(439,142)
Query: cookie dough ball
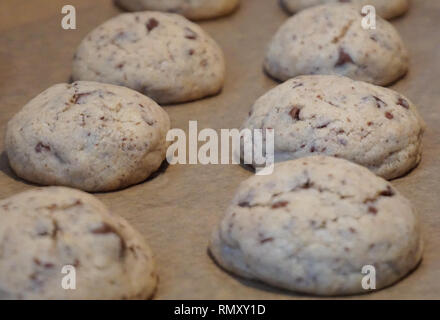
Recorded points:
(387,9)
(46,231)
(329,115)
(164,56)
(192,9)
(330,39)
(87,135)
(313,224)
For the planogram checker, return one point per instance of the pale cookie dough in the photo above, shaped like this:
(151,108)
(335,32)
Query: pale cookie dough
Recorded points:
(330,39)
(373,126)
(87,135)
(44,230)
(313,224)
(387,9)
(162,55)
(192,9)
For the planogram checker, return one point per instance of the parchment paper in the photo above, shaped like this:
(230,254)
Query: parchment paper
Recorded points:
(177,210)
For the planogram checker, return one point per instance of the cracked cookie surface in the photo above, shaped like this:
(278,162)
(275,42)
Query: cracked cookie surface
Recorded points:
(313,224)
(87,135)
(162,55)
(45,229)
(387,9)
(191,9)
(331,115)
(330,39)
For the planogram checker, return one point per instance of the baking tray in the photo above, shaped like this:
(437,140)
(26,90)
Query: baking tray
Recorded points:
(177,210)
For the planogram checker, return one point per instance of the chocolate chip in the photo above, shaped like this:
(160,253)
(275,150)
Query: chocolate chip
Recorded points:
(307,185)
(266,240)
(344,58)
(191,52)
(83,119)
(388,192)
(36,279)
(322,126)
(105,228)
(133,251)
(151,24)
(41,147)
(55,230)
(280,204)
(343,32)
(78,97)
(297,85)
(402,102)
(148,121)
(244,204)
(380,103)
(190,34)
(294,113)
(369,123)
(372,210)
(46,265)
(76,263)
(389,115)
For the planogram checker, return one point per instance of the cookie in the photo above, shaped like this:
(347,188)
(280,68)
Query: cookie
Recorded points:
(87,135)
(314,224)
(162,55)
(387,9)
(330,39)
(331,115)
(44,230)
(191,9)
